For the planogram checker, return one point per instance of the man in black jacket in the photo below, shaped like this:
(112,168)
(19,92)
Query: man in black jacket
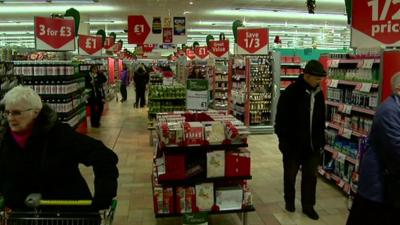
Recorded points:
(300,125)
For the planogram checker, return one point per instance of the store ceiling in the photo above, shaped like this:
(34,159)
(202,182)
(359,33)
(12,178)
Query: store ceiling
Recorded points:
(287,18)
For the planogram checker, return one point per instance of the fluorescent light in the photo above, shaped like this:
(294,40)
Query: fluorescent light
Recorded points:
(46,1)
(49,8)
(279,14)
(104,22)
(15,24)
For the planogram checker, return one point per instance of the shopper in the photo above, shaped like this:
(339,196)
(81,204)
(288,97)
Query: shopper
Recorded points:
(196,73)
(141,79)
(378,199)
(39,154)
(95,81)
(124,82)
(300,125)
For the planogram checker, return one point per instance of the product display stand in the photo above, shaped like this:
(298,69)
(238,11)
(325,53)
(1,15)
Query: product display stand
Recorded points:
(353,89)
(201,164)
(59,84)
(220,85)
(255,90)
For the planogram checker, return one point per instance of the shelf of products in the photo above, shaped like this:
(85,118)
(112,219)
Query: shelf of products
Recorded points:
(291,68)
(352,98)
(220,85)
(164,98)
(60,85)
(8,79)
(187,180)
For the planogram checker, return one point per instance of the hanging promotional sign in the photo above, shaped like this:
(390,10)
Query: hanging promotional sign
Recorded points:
(54,34)
(148,47)
(197,95)
(219,49)
(391,66)
(109,43)
(252,41)
(201,52)
(190,54)
(90,45)
(117,47)
(150,30)
(375,23)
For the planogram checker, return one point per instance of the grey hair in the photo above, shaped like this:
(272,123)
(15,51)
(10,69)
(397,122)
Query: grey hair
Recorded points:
(395,82)
(23,95)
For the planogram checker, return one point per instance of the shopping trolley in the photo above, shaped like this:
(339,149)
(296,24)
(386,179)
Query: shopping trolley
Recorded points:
(57,217)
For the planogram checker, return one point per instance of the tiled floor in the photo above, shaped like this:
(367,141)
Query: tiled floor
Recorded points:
(124,130)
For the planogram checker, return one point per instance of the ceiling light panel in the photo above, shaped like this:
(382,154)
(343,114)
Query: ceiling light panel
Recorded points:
(50,8)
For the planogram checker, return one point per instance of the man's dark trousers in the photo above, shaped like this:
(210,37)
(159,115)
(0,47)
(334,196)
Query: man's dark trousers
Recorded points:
(309,163)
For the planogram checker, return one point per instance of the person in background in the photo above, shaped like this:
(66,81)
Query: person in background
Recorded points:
(196,73)
(378,199)
(124,82)
(300,126)
(39,154)
(141,79)
(94,81)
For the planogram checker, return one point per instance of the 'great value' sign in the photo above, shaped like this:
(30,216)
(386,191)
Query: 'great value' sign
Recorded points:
(219,49)
(54,34)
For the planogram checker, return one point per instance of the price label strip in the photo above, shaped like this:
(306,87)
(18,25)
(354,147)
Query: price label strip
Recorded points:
(368,63)
(341,183)
(334,63)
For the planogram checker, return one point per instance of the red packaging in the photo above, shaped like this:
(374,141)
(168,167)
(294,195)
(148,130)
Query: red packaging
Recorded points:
(193,133)
(296,59)
(168,203)
(283,71)
(283,59)
(237,163)
(174,168)
(185,199)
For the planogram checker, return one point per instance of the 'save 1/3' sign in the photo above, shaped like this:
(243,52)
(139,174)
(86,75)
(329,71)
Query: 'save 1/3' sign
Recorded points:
(252,41)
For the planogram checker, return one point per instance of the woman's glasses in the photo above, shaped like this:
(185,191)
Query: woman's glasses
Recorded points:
(7,113)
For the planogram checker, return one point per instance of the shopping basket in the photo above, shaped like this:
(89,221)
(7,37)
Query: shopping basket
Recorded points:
(57,217)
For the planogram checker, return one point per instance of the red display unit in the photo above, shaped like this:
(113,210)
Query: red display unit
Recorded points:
(390,66)
(111,70)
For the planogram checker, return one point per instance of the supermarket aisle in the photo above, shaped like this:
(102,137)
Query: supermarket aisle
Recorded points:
(124,130)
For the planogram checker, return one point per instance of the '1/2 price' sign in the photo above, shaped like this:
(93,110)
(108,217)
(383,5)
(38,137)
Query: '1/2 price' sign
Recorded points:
(90,45)
(252,41)
(375,23)
(54,34)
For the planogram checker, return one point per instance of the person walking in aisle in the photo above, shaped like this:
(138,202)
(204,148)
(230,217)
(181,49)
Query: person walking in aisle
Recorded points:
(378,199)
(124,82)
(39,154)
(94,81)
(300,126)
(141,79)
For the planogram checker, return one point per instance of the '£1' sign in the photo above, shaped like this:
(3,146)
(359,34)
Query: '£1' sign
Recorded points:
(90,45)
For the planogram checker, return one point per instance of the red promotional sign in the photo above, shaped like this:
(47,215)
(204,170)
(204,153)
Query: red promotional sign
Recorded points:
(54,34)
(190,53)
(391,66)
(167,35)
(219,49)
(201,52)
(117,47)
(138,29)
(90,45)
(148,47)
(252,41)
(109,43)
(375,23)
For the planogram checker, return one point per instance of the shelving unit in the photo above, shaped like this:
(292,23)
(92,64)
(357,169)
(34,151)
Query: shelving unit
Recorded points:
(166,99)
(254,82)
(353,90)
(291,69)
(220,85)
(59,83)
(192,177)
(8,79)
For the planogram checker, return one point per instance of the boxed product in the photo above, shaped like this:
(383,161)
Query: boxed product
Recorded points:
(163,200)
(214,132)
(171,133)
(247,195)
(236,134)
(185,199)
(229,198)
(205,196)
(193,133)
(173,168)
(237,163)
(216,164)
